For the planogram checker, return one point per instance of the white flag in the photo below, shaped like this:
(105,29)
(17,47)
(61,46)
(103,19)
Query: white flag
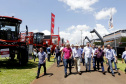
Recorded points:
(111,21)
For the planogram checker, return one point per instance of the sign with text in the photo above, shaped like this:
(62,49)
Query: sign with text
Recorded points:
(4,52)
(52,23)
(55,40)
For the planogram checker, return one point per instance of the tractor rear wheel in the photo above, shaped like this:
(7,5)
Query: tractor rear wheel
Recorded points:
(23,55)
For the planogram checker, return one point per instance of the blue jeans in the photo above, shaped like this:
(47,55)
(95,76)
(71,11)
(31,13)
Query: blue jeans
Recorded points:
(88,63)
(100,60)
(39,67)
(58,60)
(49,57)
(110,65)
(115,65)
(66,62)
(83,61)
(94,63)
(72,61)
(34,57)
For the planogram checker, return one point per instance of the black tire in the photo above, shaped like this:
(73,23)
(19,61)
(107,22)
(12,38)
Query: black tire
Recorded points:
(23,56)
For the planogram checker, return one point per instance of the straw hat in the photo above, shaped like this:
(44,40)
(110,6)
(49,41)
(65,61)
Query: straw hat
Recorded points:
(76,45)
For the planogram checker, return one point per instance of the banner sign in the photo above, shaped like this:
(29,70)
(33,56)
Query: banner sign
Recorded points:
(4,52)
(55,40)
(52,23)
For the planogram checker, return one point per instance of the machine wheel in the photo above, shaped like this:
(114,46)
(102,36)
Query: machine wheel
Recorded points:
(23,55)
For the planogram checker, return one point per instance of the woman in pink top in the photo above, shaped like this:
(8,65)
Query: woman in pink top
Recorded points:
(67,58)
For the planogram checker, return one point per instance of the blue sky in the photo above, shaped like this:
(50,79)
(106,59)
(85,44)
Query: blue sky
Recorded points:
(70,15)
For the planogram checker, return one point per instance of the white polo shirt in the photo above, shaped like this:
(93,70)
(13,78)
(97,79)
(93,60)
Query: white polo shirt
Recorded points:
(124,55)
(87,51)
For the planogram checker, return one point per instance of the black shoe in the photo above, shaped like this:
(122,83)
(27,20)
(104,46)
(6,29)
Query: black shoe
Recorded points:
(70,73)
(45,74)
(79,73)
(89,71)
(86,70)
(104,72)
(65,75)
(37,77)
(113,75)
(94,69)
(108,71)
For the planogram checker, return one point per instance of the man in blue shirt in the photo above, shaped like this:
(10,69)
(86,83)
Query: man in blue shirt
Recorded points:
(42,61)
(115,61)
(124,57)
(110,55)
(49,53)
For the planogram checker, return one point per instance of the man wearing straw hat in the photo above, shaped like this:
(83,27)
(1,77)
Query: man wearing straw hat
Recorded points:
(77,57)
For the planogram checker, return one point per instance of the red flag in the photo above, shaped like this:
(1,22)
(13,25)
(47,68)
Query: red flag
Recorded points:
(52,23)
(67,41)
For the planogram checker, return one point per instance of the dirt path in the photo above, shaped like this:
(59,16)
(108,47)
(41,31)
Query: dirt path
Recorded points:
(56,76)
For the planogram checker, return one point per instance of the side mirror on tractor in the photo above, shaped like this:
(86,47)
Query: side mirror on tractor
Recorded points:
(26,30)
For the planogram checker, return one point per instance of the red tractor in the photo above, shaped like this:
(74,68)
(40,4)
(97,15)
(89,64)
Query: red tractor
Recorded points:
(10,39)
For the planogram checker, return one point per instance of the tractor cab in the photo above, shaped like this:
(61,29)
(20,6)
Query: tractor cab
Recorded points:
(38,38)
(10,43)
(9,28)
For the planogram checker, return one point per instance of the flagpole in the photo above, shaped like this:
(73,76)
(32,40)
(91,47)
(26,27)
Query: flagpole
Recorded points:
(58,30)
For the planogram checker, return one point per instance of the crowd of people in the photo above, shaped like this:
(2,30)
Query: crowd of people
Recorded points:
(74,55)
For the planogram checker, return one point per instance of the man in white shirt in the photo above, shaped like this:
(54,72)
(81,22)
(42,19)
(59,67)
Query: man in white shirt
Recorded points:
(87,54)
(77,57)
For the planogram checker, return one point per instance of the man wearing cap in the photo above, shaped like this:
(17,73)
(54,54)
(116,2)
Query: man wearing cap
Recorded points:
(87,52)
(67,52)
(77,57)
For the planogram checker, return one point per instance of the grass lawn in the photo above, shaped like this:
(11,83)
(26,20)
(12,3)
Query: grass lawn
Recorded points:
(121,66)
(13,73)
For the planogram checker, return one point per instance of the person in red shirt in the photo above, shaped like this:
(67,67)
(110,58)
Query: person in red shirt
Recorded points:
(67,52)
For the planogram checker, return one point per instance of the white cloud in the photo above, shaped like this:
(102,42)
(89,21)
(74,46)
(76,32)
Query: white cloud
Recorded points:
(74,35)
(101,30)
(105,13)
(35,31)
(80,4)
(46,32)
